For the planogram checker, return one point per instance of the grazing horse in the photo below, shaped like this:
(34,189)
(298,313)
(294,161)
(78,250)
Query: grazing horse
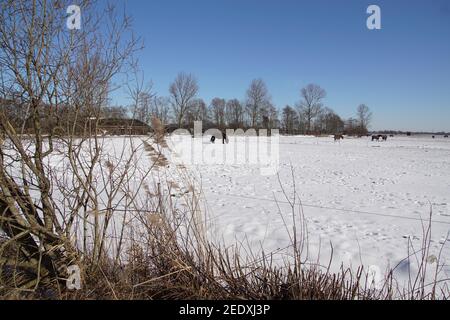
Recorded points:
(446,136)
(379,136)
(338,137)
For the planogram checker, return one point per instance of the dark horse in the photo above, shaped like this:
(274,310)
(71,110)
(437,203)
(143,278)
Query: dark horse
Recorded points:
(379,136)
(338,137)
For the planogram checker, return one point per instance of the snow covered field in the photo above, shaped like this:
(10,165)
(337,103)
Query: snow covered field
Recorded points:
(367,199)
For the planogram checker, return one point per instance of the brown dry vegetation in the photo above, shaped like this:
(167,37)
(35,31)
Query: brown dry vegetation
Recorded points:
(157,157)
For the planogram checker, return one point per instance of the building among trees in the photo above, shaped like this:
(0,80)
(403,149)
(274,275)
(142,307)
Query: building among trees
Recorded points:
(121,126)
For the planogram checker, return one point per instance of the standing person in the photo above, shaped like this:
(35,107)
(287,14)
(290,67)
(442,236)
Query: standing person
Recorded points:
(224,137)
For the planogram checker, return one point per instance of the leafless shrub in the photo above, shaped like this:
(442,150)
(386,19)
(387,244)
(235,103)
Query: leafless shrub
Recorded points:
(58,80)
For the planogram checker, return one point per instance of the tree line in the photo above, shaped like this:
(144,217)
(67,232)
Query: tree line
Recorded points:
(183,106)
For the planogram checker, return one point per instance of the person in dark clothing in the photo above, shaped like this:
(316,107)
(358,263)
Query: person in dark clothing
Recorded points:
(224,137)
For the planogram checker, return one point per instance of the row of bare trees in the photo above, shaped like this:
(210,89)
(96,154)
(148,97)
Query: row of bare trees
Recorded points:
(183,106)
(256,111)
(309,116)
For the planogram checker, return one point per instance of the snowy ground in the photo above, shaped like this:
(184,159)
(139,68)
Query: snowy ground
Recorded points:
(368,199)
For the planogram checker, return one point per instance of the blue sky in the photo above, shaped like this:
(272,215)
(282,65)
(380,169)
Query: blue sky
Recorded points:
(401,72)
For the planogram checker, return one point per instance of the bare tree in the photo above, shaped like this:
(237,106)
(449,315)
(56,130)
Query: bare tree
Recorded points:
(269,116)
(234,113)
(182,91)
(141,95)
(352,126)
(197,111)
(218,111)
(160,109)
(144,106)
(329,122)
(311,104)
(289,120)
(257,99)
(116,112)
(364,116)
